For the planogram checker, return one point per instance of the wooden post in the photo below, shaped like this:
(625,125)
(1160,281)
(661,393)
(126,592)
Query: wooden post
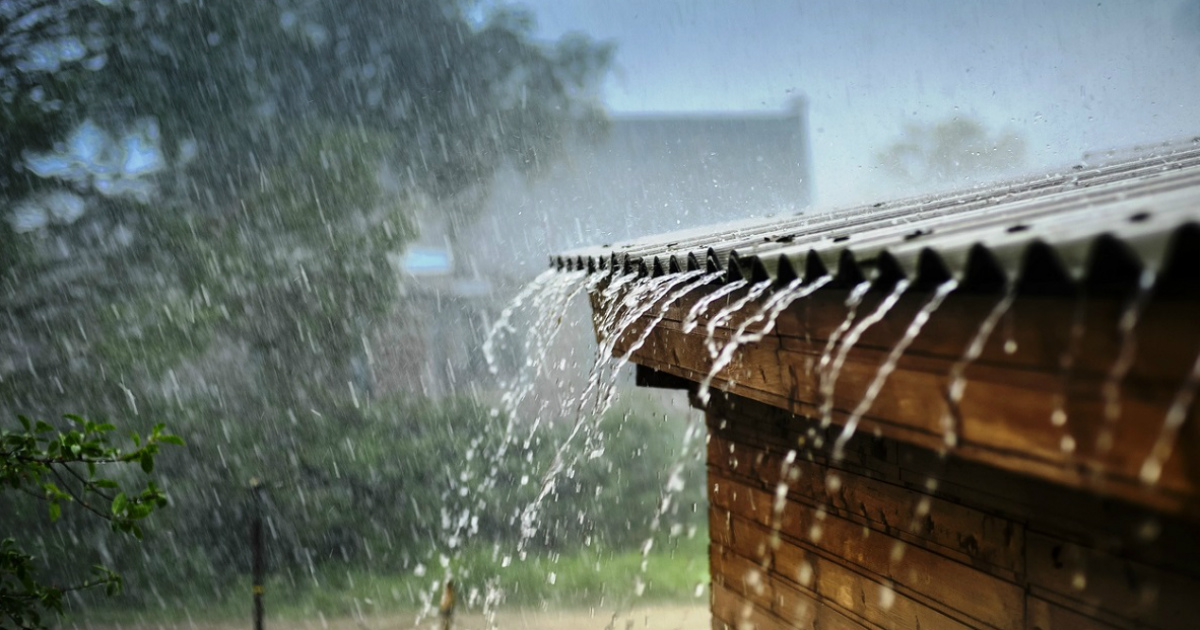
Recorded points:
(446,609)
(256,547)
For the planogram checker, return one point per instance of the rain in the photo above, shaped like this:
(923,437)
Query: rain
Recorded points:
(862,315)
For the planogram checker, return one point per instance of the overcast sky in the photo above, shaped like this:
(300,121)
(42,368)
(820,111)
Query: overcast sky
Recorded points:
(1071,76)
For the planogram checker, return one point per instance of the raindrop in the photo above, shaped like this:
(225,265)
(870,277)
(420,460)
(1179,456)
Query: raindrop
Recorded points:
(805,573)
(1176,414)
(887,597)
(889,364)
(1079,581)
(1126,328)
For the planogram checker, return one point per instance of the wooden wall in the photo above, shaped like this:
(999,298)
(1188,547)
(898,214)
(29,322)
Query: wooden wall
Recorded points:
(894,536)
(1046,352)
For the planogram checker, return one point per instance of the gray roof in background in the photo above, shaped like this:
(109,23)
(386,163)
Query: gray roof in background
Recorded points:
(649,173)
(1097,225)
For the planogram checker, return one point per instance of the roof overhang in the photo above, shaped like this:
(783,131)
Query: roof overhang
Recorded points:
(1086,283)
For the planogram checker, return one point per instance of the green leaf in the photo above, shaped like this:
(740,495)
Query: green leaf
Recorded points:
(119,503)
(42,427)
(148,463)
(55,512)
(171,439)
(104,483)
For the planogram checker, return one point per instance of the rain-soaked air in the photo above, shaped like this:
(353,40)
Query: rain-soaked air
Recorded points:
(857,316)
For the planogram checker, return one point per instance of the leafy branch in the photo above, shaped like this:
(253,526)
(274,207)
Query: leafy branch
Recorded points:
(70,466)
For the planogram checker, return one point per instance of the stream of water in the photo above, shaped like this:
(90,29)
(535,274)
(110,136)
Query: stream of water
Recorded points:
(889,364)
(855,333)
(1127,352)
(626,311)
(951,421)
(767,315)
(1177,413)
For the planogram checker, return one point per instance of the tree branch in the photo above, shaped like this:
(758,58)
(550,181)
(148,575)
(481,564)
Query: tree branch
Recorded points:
(81,502)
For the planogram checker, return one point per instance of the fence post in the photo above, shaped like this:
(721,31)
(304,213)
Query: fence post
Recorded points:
(256,549)
(446,609)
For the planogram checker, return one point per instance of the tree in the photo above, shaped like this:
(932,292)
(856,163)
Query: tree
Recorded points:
(202,224)
(952,150)
(58,467)
(257,196)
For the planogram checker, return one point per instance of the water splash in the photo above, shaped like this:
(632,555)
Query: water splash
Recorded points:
(538,307)
(638,300)
(725,314)
(855,298)
(704,279)
(673,489)
(621,309)
(1177,413)
(692,319)
(889,364)
(1066,372)
(850,340)
(769,314)
(503,325)
(545,299)
(951,420)
(1127,329)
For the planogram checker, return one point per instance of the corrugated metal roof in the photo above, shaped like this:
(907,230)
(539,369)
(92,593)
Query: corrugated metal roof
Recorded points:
(1099,226)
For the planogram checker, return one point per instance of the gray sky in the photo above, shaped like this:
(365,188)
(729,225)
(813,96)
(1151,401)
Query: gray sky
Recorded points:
(1071,76)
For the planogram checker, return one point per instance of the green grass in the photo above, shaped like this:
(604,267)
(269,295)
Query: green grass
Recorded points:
(673,572)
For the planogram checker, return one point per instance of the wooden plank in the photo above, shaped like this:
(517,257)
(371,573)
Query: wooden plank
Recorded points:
(1006,420)
(720,527)
(916,572)
(742,575)
(745,465)
(1046,615)
(1039,327)
(1130,590)
(968,535)
(737,613)
(796,610)
(1081,517)
(856,594)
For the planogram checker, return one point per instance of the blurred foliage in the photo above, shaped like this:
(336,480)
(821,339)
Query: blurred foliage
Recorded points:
(380,489)
(319,129)
(582,577)
(49,467)
(239,301)
(457,96)
(954,150)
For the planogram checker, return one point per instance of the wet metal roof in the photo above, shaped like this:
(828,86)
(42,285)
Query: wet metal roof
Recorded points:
(1097,226)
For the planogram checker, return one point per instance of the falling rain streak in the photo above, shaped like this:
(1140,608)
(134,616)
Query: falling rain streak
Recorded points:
(848,342)
(951,422)
(767,314)
(1127,352)
(628,309)
(889,364)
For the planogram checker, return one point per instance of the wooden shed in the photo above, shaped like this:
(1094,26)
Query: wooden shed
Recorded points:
(973,410)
